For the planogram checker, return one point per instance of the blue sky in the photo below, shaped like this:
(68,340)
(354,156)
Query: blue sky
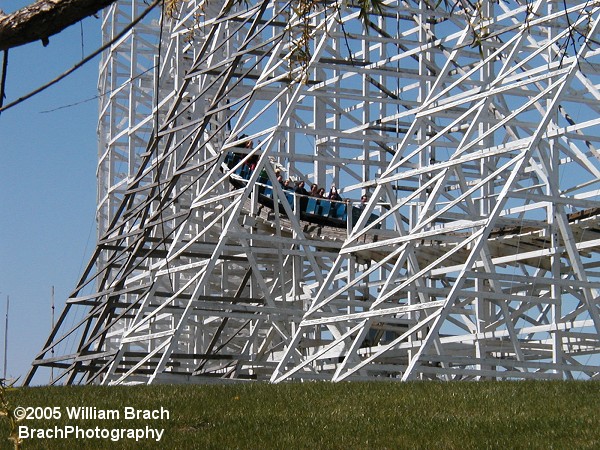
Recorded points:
(47,184)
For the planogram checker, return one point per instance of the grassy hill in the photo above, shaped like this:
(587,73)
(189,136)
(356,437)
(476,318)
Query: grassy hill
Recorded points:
(427,415)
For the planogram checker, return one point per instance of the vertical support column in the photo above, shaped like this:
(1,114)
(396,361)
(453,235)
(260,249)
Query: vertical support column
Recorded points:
(366,105)
(483,306)
(553,230)
(322,141)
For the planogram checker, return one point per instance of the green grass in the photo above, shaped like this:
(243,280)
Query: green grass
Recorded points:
(428,415)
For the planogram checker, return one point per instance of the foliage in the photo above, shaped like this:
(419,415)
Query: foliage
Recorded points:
(368,7)
(300,53)
(170,7)
(339,416)
(301,32)
(7,412)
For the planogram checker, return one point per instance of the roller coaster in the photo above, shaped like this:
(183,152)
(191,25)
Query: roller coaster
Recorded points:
(471,128)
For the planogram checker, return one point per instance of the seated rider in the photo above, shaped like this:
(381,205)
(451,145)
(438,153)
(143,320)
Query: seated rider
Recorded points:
(300,189)
(279,177)
(334,195)
(363,201)
(314,189)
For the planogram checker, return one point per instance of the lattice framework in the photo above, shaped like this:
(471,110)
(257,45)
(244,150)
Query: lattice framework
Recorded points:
(473,131)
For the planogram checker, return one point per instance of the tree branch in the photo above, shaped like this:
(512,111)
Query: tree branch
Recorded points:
(88,58)
(43,19)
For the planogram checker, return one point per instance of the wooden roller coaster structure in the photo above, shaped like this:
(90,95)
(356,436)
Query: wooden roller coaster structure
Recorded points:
(472,129)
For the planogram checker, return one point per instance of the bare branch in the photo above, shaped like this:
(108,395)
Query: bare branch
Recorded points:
(43,19)
(85,60)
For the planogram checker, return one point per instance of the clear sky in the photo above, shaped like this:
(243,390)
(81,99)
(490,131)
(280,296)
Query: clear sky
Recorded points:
(47,184)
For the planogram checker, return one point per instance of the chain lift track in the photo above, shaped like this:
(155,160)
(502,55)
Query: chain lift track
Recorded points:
(473,129)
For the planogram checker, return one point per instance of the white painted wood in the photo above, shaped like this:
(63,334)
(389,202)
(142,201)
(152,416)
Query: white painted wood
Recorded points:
(475,257)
